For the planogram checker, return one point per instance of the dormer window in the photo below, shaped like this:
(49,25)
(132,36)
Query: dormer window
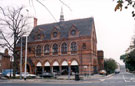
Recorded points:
(38,36)
(73,32)
(54,34)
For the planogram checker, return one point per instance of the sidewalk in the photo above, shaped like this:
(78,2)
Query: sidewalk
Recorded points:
(59,80)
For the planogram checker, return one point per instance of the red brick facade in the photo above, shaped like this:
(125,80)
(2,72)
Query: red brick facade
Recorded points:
(4,61)
(84,60)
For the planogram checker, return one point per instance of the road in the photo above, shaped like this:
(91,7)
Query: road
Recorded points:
(122,79)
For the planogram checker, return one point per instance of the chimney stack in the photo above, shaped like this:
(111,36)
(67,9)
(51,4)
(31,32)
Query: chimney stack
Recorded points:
(6,52)
(35,22)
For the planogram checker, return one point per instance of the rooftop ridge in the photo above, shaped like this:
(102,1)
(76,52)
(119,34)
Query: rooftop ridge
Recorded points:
(64,21)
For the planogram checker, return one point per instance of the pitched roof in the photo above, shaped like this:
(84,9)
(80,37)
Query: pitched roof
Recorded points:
(84,26)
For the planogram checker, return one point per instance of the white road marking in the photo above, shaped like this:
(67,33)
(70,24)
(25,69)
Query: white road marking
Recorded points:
(125,79)
(102,80)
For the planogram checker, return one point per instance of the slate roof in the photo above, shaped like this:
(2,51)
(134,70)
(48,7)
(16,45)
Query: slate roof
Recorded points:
(84,26)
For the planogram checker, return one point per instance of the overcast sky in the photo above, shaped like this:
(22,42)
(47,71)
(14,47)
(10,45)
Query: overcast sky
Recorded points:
(114,29)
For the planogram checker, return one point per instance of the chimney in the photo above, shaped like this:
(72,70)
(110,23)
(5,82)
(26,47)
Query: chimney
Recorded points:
(6,52)
(35,22)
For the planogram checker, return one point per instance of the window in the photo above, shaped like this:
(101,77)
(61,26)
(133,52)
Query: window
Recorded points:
(38,50)
(73,47)
(55,49)
(46,49)
(38,36)
(73,32)
(54,34)
(64,48)
(84,46)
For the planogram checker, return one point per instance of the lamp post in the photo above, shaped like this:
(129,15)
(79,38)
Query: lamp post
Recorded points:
(25,60)
(21,61)
(69,62)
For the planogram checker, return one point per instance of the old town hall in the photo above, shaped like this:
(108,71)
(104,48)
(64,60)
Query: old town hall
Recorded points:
(57,46)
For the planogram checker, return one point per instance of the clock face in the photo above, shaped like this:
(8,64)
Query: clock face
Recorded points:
(54,34)
(73,32)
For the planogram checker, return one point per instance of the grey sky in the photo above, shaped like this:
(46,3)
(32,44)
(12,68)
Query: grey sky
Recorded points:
(114,29)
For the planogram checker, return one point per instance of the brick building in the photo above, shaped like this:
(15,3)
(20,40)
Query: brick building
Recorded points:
(100,54)
(58,46)
(4,61)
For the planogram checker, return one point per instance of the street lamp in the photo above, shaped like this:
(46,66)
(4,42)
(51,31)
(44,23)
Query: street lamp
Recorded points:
(69,62)
(25,70)
(21,61)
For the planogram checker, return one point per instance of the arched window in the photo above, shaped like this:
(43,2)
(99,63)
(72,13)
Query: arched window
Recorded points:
(46,49)
(55,49)
(38,50)
(73,47)
(64,48)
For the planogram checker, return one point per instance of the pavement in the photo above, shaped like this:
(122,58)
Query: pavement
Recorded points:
(122,79)
(61,80)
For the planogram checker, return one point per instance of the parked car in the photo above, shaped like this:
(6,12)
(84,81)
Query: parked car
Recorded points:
(46,74)
(8,74)
(28,75)
(102,72)
(117,71)
(6,71)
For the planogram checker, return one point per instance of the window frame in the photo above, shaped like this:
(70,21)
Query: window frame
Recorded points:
(46,48)
(55,49)
(73,47)
(38,50)
(64,48)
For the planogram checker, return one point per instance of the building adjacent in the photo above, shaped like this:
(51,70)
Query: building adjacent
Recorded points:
(4,61)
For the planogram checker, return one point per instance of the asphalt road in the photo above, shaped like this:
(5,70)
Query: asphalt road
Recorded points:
(122,79)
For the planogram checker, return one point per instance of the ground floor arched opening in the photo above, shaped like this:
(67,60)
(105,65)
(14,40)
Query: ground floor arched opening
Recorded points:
(38,68)
(74,67)
(47,67)
(56,68)
(64,68)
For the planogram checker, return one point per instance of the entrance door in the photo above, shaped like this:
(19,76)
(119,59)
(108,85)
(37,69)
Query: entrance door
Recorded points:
(64,70)
(47,69)
(39,70)
(56,69)
(75,69)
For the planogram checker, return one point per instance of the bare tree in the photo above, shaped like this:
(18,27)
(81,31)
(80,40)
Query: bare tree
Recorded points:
(13,25)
